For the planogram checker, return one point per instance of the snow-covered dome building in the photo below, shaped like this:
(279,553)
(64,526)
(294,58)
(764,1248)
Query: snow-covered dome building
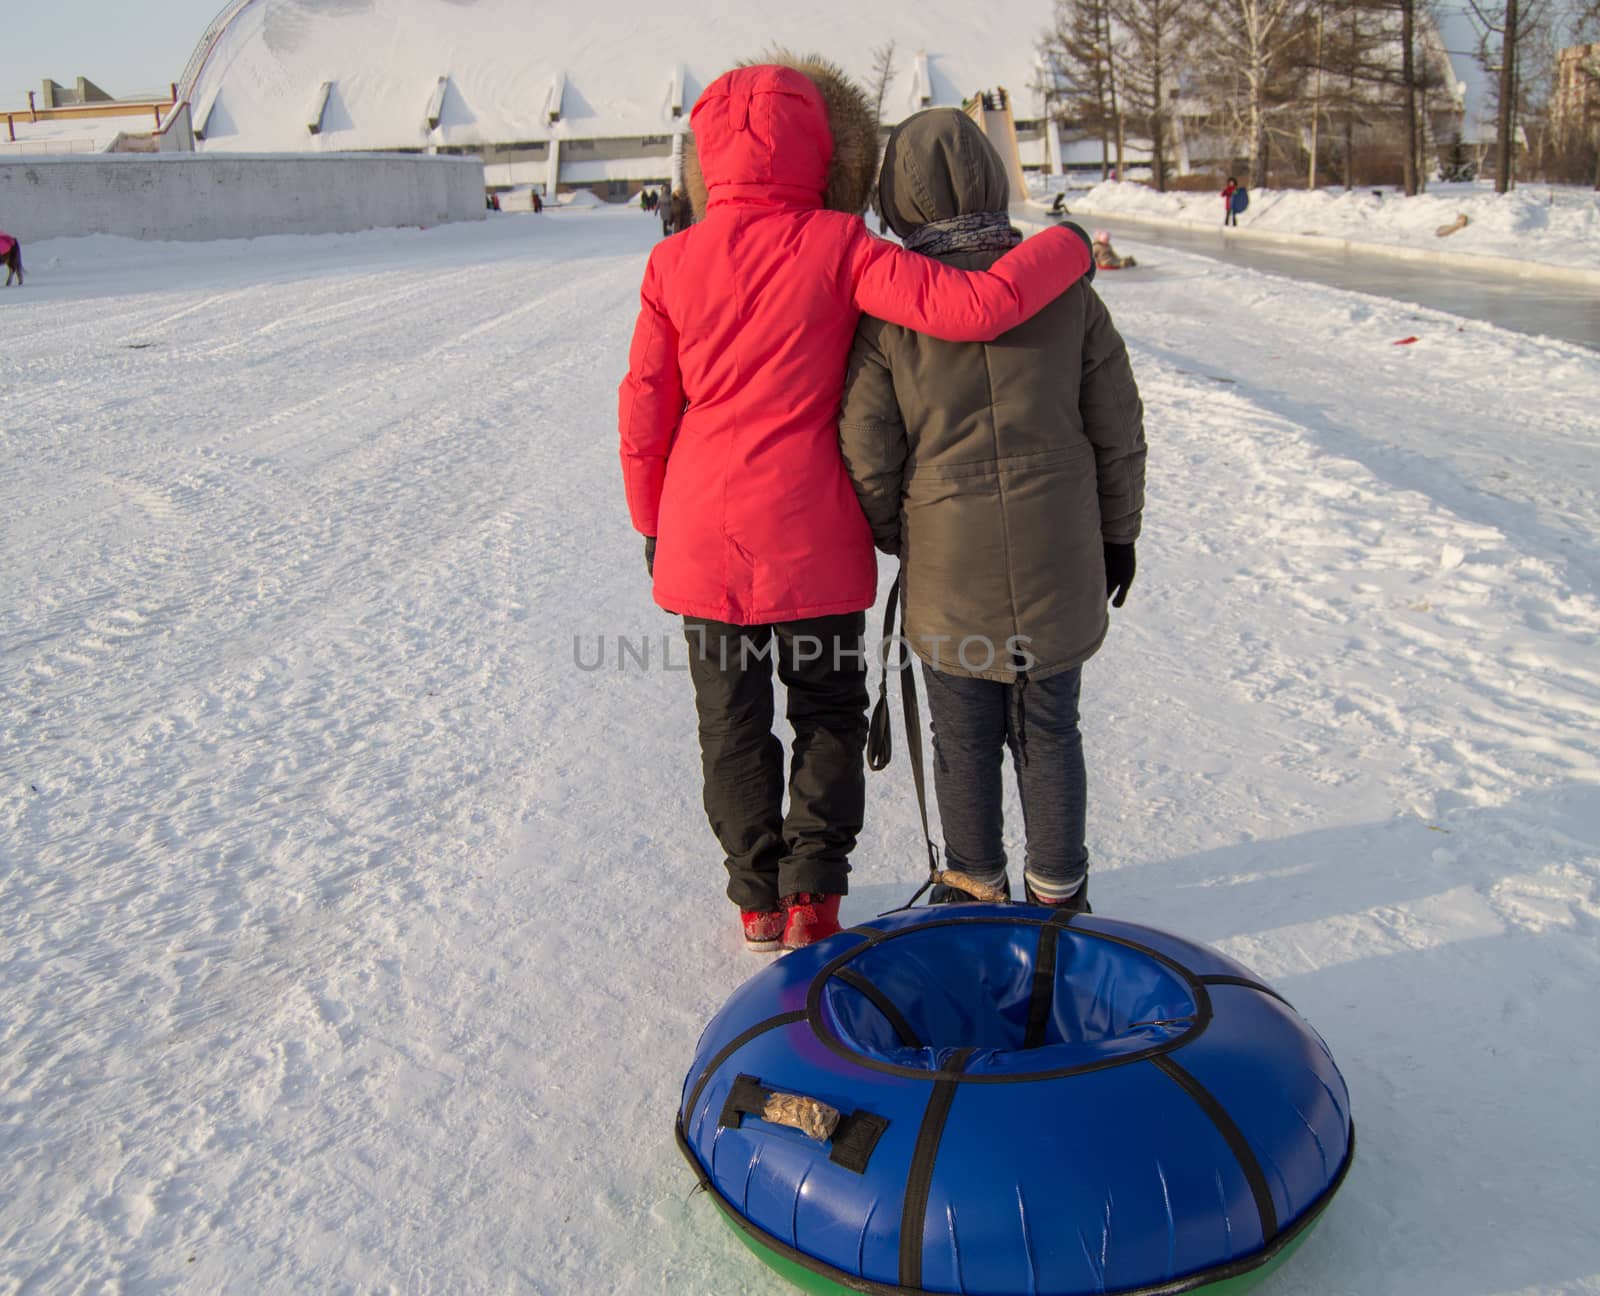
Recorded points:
(576,93)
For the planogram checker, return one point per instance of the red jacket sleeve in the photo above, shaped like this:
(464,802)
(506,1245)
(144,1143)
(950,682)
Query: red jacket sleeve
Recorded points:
(965,305)
(650,405)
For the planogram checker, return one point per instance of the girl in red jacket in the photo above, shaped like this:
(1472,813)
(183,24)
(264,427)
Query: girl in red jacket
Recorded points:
(729,423)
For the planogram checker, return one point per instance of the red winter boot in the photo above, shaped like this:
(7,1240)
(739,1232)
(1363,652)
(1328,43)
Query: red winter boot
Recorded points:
(810,918)
(763,929)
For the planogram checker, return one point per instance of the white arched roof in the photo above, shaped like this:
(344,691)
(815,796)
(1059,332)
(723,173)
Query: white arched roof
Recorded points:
(608,68)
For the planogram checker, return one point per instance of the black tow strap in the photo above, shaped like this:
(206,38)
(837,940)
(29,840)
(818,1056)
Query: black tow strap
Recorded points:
(880,742)
(919,1179)
(1042,1002)
(1234,1137)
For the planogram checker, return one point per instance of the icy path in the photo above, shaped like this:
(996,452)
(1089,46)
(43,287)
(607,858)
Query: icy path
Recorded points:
(1567,309)
(353,938)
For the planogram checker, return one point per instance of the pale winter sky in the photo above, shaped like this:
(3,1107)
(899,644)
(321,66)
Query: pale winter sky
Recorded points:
(123,46)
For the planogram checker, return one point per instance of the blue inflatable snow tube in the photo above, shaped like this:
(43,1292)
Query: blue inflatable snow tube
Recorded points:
(1028,1102)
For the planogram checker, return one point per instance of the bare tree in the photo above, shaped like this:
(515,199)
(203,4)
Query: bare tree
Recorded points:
(1319,43)
(1349,62)
(883,70)
(1384,77)
(1591,70)
(1408,91)
(1081,54)
(1158,34)
(1588,27)
(1254,52)
(1505,30)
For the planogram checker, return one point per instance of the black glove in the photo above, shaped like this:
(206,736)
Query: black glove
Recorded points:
(1088,244)
(650,556)
(1119,572)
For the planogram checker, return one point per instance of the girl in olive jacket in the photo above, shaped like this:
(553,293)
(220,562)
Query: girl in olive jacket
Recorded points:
(1009,478)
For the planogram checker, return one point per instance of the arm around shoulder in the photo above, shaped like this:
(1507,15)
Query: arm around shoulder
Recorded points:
(921,293)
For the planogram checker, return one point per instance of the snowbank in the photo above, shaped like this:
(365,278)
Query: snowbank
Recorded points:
(1552,225)
(579,200)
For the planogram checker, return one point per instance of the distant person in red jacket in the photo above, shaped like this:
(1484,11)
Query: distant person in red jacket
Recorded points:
(730,455)
(11,258)
(1229,215)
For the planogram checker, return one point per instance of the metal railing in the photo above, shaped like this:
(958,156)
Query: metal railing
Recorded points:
(208,41)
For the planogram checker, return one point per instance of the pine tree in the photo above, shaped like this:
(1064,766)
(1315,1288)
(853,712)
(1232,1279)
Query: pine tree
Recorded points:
(1459,165)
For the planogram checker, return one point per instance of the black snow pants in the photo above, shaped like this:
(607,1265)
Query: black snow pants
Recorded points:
(822,664)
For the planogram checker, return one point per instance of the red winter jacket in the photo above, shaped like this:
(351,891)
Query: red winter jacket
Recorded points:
(6,243)
(729,413)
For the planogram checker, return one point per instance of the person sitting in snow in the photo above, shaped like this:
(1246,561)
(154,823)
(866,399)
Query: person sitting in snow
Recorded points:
(1010,481)
(1105,256)
(731,461)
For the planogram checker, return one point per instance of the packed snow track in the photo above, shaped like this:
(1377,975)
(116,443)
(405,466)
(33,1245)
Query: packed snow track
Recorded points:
(355,932)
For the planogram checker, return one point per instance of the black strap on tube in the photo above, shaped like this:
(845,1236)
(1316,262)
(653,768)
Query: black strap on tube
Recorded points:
(880,744)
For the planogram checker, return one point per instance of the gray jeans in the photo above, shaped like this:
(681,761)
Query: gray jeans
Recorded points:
(974,720)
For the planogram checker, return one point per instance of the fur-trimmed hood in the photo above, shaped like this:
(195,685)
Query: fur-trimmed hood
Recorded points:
(795,124)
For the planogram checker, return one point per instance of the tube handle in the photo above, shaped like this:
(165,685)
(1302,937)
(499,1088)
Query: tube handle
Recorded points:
(852,1136)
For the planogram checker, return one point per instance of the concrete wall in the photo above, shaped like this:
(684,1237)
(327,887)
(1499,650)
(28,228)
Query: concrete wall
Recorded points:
(190,196)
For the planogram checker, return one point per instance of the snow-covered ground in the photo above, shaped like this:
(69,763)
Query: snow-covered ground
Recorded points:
(354,938)
(1556,224)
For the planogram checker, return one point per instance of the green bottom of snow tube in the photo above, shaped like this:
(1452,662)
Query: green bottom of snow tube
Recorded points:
(1227,1283)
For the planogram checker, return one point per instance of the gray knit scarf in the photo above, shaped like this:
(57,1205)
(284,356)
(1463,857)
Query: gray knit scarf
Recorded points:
(976,232)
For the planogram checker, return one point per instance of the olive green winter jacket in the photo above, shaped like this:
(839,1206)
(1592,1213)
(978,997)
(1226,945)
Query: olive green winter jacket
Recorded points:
(995,470)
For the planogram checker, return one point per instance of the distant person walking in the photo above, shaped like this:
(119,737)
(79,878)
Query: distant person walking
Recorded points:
(676,214)
(538,202)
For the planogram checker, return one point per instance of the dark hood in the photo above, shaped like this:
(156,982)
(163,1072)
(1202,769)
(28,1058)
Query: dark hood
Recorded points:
(938,164)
